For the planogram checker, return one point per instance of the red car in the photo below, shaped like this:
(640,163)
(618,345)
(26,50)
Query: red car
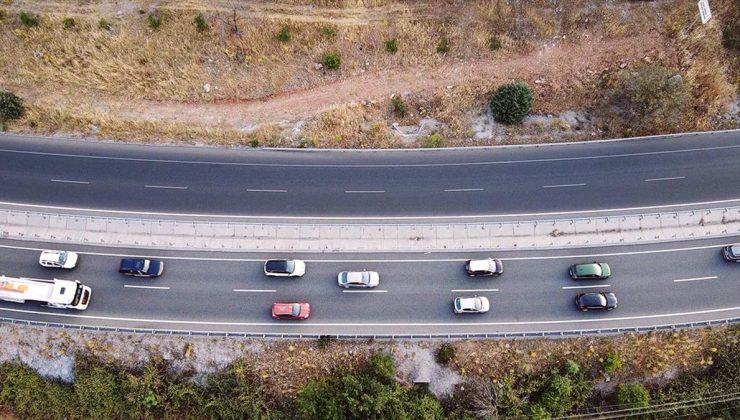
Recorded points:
(291,310)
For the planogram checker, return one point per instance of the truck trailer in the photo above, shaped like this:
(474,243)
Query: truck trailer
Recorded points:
(67,294)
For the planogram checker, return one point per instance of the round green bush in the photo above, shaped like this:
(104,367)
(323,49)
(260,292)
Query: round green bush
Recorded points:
(511,103)
(331,60)
(11,106)
(633,395)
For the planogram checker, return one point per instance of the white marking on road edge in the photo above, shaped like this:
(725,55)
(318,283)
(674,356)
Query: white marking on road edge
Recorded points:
(271,191)
(586,287)
(66,181)
(340,324)
(405,260)
(354,218)
(255,290)
(364,291)
(166,187)
(465,189)
(364,192)
(388,165)
(131,286)
(664,179)
(563,185)
(474,290)
(695,279)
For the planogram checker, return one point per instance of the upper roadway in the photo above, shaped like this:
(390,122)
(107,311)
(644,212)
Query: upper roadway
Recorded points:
(515,180)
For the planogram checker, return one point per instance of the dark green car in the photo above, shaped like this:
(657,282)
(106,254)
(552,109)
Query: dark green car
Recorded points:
(590,271)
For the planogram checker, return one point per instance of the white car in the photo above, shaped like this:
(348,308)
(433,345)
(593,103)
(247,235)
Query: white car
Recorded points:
(58,259)
(285,268)
(365,279)
(471,305)
(485,267)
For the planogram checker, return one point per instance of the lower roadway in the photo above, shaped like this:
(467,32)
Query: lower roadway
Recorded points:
(656,284)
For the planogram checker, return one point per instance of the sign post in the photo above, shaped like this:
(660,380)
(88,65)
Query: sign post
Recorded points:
(704,11)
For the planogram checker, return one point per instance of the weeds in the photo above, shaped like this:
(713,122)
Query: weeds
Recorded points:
(201,25)
(154,21)
(399,106)
(494,43)
(329,32)
(445,354)
(69,23)
(391,46)
(331,60)
(104,25)
(29,20)
(434,141)
(284,34)
(443,46)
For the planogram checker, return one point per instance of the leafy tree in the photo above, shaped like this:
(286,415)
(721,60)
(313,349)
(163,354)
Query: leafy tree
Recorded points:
(511,103)
(633,395)
(557,398)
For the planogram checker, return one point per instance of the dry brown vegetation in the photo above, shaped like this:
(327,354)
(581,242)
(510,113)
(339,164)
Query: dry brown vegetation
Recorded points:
(134,82)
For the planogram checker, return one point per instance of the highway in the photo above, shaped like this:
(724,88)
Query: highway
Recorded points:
(656,284)
(411,184)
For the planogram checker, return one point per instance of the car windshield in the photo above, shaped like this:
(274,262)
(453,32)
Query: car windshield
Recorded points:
(296,309)
(477,304)
(735,250)
(62,258)
(145,266)
(280,266)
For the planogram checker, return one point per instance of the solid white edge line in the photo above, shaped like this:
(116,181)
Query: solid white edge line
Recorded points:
(464,189)
(585,287)
(406,260)
(665,179)
(380,324)
(166,187)
(133,286)
(364,291)
(67,181)
(354,218)
(695,279)
(255,290)
(563,185)
(473,290)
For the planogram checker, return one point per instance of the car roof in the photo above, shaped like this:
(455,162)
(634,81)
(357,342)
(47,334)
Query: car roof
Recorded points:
(593,299)
(358,277)
(480,265)
(588,269)
(467,303)
(283,308)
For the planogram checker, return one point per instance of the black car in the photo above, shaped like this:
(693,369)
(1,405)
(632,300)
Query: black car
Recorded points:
(141,267)
(731,253)
(596,300)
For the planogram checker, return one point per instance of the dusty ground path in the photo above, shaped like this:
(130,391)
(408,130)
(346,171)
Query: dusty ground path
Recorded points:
(560,65)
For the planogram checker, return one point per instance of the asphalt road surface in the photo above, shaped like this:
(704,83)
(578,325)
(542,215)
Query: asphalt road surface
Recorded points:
(656,284)
(664,171)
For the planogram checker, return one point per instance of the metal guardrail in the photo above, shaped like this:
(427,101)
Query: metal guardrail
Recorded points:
(458,336)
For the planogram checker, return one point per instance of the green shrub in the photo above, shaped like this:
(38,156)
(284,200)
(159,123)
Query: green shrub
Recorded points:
(324,340)
(391,46)
(572,368)
(443,47)
(200,23)
(154,21)
(399,106)
(511,103)
(538,412)
(235,394)
(105,25)
(329,32)
(612,362)
(29,20)
(435,140)
(31,396)
(632,395)
(381,366)
(254,143)
(331,60)
(494,43)
(445,354)
(557,397)
(651,99)
(100,391)
(283,35)
(69,23)
(11,106)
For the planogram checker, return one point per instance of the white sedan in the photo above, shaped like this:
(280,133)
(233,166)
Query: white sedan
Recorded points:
(58,259)
(471,305)
(366,279)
